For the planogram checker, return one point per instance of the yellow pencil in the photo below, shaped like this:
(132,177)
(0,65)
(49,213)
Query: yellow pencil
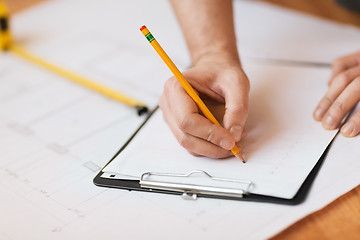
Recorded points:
(188,88)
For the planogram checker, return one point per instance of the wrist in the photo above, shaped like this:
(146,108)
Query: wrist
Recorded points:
(230,58)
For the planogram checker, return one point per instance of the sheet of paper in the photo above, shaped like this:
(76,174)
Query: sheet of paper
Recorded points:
(282,146)
(265,31)
(55,136)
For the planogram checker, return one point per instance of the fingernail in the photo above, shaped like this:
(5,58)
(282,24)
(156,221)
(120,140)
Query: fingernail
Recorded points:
(236,132)
(329,122)
(318,113)
(347,129)
(224,143)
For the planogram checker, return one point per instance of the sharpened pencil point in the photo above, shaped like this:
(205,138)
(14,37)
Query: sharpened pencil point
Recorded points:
(238,156)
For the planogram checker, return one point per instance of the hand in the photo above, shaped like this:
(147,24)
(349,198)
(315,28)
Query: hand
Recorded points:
(218,79)
(343,94)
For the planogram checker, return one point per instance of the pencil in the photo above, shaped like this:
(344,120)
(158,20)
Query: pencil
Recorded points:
(185,84)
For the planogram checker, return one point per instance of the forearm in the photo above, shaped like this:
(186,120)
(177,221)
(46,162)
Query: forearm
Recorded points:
(208,28)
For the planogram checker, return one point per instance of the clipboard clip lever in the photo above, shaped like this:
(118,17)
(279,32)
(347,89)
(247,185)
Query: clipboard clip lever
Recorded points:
(191,191)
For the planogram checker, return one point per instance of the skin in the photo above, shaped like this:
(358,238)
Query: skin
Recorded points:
(343,94)
(216,74)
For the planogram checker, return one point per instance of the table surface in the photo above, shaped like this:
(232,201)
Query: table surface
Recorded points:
(341,218)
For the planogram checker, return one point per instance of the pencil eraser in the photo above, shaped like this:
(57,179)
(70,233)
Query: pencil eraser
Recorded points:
(142,28)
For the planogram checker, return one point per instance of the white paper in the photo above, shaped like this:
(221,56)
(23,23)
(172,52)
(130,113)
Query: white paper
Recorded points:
(265,31)
(52,142)
(282,146)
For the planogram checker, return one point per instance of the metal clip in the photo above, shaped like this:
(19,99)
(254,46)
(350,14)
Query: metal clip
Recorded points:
(191,191)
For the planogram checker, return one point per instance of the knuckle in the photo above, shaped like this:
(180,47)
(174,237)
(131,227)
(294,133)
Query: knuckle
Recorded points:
(184,141)
(169,85)
(343,78)
(211,134)
(233,74)
(325,102)
(184,124)
(337,107)
(239,78)
(337,62)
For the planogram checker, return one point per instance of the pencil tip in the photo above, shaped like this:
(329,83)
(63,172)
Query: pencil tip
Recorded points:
(238,156)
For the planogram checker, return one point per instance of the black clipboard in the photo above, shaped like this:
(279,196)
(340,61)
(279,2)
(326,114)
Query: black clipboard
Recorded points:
(299,197)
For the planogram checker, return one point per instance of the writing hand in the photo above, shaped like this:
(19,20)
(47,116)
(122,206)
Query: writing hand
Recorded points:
(216,79)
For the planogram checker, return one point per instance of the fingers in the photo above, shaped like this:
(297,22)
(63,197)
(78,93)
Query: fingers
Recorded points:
(352,127)
(342,64)
(343,94)
(340,82)
(194,132)
(200,127)
(348,98)
(236,91)
(197,146)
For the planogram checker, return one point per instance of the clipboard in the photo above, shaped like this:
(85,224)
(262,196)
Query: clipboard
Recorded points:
(147,183)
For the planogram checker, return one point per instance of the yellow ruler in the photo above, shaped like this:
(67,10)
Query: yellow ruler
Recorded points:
(6,44)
